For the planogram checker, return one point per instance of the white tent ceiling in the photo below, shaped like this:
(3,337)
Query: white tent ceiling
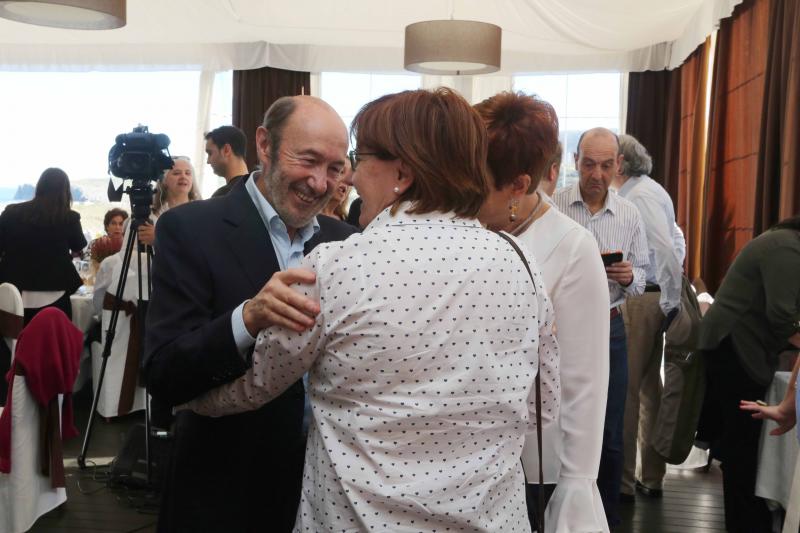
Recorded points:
(367,35)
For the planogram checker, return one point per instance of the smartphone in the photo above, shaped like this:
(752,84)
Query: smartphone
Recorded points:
(609,258)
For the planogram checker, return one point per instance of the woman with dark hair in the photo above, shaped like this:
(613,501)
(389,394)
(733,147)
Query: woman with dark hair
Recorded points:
(755,316)
(523,135)
(37,240)
(424,351)
(114,222)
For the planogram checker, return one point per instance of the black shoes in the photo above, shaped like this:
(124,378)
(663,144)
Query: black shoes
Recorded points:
(646,491)
(626,498)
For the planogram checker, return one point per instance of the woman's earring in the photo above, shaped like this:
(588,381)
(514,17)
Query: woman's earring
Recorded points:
(512,210)
(397,190)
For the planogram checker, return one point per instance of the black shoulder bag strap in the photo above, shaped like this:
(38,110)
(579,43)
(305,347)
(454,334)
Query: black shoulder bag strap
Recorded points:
(538,388)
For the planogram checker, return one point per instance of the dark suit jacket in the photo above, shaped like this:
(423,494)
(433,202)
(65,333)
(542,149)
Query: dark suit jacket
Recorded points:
(36,257)
(225,189)
(234,473)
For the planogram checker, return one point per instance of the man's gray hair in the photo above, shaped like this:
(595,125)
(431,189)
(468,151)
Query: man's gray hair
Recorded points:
(275,120)
(635,159)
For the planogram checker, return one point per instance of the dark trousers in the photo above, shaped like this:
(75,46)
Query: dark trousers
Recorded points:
(62,303)
(239,473)
(727,384)
(609,477)
(532,500)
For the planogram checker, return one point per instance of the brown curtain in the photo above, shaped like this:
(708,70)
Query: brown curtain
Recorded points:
(666,112)
(692,155)
(778,175)
(653,117)
(254,91)
(734,130)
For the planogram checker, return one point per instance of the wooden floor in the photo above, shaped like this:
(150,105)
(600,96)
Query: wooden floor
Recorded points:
(92,504)
(692,501)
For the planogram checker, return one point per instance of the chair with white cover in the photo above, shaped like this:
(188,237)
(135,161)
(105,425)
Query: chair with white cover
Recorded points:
(36,419)
(11,320)
(120,392)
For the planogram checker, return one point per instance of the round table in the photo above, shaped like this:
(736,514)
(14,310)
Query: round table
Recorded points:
(82,311)
(83,317)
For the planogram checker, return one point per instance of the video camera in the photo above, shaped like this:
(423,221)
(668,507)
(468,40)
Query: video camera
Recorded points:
(139,155)
(143,157)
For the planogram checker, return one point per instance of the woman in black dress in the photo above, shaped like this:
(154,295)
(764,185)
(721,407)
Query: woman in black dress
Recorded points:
(37,240)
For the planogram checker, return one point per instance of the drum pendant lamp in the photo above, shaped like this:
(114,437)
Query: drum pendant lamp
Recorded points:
(452,47)
(68,14)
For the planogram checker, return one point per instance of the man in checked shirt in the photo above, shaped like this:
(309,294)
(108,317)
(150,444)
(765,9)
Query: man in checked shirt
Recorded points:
(618,228)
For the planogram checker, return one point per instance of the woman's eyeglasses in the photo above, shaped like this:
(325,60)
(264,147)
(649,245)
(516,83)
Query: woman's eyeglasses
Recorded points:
(355,157)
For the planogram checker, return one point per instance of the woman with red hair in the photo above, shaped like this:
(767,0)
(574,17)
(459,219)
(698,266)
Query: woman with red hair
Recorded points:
(523,135)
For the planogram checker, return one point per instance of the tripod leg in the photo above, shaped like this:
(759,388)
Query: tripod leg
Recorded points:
(112,326)
(140,308)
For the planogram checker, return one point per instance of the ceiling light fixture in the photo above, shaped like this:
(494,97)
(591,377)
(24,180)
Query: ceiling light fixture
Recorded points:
(448,47)
(69,14)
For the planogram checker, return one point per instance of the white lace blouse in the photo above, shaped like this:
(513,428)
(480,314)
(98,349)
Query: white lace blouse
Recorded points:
(575,279)
(421,365)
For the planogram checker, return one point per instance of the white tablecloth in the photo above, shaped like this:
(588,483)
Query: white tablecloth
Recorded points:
(82,311)
(83,317)
(776,455)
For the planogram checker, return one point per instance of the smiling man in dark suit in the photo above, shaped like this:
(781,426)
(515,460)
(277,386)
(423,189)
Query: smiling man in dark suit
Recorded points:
(241,472)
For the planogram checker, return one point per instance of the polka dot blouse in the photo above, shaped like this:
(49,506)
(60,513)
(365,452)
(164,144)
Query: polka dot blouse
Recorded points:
(421,368)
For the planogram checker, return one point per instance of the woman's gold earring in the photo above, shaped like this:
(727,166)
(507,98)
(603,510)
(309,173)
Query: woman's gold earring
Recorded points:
(512,210)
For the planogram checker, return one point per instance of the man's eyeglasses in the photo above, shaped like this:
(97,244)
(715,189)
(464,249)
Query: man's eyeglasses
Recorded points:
(355,157)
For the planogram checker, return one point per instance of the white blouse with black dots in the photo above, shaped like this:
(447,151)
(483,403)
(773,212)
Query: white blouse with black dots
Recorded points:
(422,363)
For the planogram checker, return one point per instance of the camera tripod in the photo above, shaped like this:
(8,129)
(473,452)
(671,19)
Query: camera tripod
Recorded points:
(141,197)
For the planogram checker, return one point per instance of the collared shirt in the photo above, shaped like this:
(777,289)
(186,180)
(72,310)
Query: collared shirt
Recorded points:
(421,363)
(288,251)
(617,226)
(574,277)
(546,197)
(658,215)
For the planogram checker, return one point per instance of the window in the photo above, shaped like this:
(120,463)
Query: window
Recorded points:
(71,119)
(347,93)
(582,101)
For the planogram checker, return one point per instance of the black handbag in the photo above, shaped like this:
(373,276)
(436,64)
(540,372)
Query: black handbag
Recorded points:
(538,393)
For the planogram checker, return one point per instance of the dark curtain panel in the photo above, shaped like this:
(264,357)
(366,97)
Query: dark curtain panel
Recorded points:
(652,105)
(778,176)
(734,131)
(254,91)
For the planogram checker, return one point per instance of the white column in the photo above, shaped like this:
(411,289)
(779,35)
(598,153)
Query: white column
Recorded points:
(623,101)
(316,85)
(204,94)
(473,88)
(484,87)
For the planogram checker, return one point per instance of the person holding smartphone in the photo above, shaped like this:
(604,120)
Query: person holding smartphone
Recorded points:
(617,226)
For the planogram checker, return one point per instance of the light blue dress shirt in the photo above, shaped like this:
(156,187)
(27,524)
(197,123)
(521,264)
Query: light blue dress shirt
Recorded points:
(658,215)
(289,252)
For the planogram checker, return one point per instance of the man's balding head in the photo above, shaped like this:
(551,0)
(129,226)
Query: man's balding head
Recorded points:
(597,160)
(301,146)
(594,132)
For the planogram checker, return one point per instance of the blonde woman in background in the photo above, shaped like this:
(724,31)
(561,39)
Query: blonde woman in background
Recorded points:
(175,188)
(336,206)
